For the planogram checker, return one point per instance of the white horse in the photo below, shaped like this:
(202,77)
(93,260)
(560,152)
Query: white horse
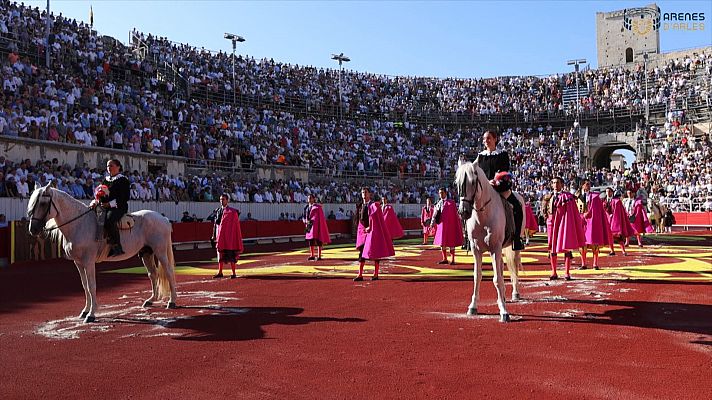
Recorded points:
(657,212)
(486,227)
(75,224)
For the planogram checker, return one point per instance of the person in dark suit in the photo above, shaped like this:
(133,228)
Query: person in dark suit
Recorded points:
(496,166)
(116,203)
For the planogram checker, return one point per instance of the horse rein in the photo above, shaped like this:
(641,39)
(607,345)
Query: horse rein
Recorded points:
(49,206)
(474,195)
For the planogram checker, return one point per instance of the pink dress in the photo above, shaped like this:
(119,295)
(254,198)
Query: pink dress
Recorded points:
(620,224)
(449,232)
(319,230)
(598,229)
(391,220)
(377,243)
(641,223)
(566,225)
(229,235)
(531,223)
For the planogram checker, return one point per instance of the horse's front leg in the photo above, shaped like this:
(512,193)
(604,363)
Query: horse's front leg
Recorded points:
(90,268)
(498,267)
(477,275)
(87,296)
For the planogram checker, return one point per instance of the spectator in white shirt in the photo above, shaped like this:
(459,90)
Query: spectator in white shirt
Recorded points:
(23,189)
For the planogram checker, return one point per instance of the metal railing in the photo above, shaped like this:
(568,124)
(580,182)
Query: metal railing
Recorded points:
(684,204)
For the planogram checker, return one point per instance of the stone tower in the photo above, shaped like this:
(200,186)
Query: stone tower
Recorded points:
(623,35)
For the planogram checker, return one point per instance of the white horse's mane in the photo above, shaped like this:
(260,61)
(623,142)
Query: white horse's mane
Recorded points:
(471,171)
(33,199)
(462,173)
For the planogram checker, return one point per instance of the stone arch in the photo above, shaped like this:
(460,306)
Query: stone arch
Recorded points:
(601,157)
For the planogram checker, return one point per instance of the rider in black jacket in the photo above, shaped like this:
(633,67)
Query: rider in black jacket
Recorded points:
(493,161)
(116,203)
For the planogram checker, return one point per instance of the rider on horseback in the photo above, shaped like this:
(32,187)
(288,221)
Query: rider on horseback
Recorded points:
(495,164)
(116,203)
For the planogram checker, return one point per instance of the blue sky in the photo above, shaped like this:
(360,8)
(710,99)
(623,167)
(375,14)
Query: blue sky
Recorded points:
(424,38)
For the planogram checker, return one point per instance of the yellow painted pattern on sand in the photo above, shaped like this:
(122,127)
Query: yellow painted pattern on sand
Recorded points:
(681,263)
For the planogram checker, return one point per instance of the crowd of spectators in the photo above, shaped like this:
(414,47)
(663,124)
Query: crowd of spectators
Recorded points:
(606,88)
(83,100)
(679,170)
(19,178)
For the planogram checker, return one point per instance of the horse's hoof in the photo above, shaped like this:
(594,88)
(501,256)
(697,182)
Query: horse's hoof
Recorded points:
(89,318)
(516,297)
(172,305)
(471,311)
(83,314)
(504,318)
(147,303)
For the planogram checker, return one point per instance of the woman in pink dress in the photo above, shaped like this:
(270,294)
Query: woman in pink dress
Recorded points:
(391,219)
(372,239)
(598,229)
(426,217)
(317,232)
(449,230)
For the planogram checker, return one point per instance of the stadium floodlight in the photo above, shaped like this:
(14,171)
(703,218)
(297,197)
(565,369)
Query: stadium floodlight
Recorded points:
(645,54)
(577,123)
(46,38)
(234,39)
(341,58)
(576,63)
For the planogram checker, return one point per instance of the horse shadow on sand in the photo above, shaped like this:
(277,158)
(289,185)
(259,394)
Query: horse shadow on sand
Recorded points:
(235,323)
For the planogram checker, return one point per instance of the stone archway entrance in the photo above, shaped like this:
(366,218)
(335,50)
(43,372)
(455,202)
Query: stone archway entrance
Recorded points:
(601,155)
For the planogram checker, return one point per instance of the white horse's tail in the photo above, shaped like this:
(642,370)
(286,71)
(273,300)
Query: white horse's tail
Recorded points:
(164,280)
(511,259)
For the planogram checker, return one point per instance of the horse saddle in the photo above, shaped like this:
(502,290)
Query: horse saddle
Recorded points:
(509,226)
(125,223)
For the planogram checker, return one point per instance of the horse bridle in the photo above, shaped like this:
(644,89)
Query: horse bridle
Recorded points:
(51,204)
(471,201)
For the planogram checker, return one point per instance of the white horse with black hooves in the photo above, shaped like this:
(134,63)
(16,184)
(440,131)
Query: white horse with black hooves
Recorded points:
(483,209)
(75,226)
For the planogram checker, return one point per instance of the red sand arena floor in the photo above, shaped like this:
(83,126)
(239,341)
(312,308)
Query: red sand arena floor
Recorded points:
(640,328)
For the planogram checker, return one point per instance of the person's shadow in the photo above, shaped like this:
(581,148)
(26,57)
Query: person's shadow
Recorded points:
(243,323)
(677,317)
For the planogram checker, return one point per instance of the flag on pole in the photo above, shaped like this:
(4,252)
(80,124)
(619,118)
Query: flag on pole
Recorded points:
(91,16)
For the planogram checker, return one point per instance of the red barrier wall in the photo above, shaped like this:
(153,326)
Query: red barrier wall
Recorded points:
(693,218)
(5,242)
(200,231)
(410,223)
